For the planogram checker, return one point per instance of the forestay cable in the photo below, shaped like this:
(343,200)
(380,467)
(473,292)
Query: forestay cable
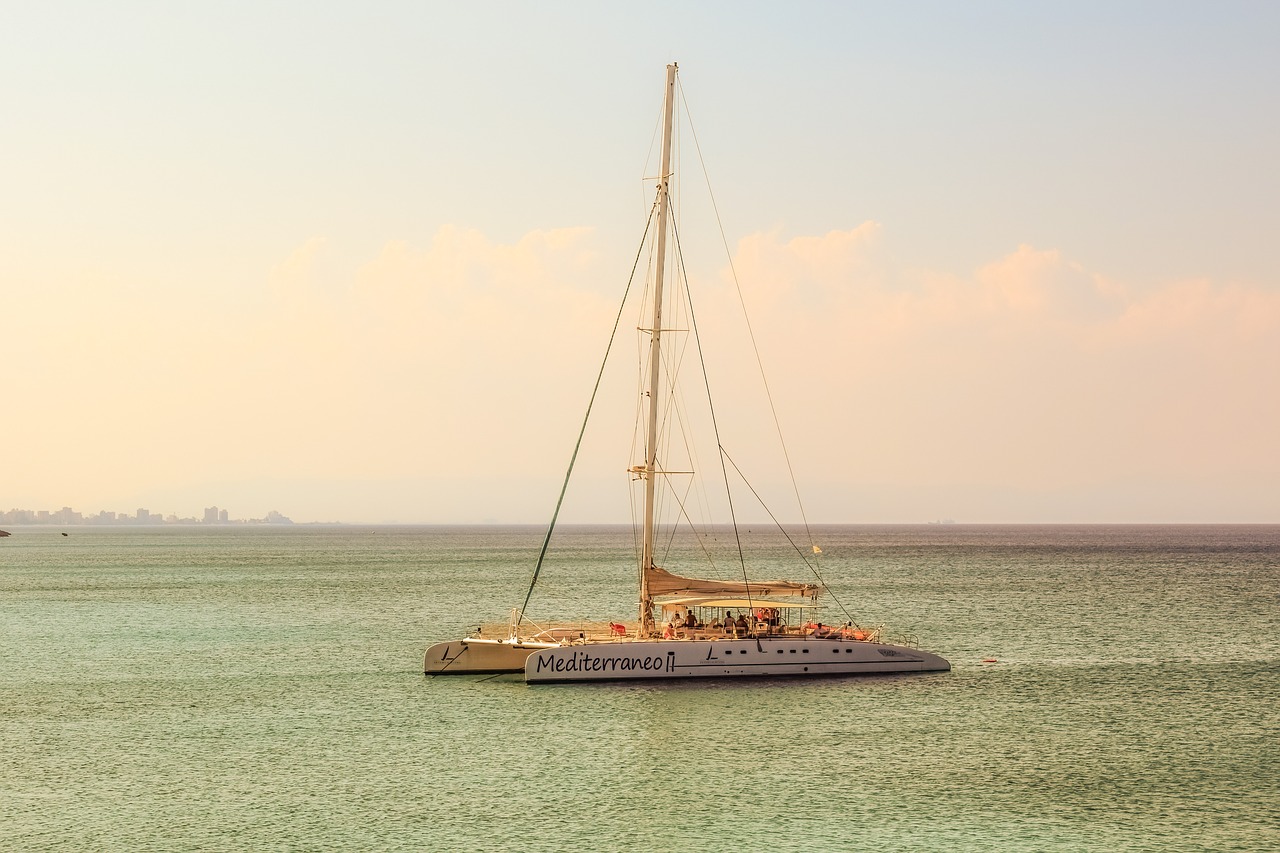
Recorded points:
(537,569)
(750,331)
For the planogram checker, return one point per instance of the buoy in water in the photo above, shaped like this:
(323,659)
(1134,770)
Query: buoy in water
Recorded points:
(989,660)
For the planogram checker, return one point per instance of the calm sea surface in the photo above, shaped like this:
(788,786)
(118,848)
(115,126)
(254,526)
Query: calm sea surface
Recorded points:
(261,689)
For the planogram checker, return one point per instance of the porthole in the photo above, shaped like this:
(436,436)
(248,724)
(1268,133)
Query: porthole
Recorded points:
(806,651)
(793,651)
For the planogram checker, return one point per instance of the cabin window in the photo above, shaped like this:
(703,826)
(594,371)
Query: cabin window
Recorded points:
(806,651)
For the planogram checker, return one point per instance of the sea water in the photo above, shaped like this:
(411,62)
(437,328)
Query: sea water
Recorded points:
(236,688)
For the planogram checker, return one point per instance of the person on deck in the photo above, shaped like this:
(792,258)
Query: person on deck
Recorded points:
(740,624)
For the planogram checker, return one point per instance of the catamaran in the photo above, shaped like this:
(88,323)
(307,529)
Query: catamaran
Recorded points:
(685,627)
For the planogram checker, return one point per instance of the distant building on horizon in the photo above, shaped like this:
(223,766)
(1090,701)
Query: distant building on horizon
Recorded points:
(68,516)
(213,515)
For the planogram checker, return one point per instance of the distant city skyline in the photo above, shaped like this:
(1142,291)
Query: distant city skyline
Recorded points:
(68,516)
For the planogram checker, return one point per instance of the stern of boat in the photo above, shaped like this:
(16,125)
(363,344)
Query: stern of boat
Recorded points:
(477,656)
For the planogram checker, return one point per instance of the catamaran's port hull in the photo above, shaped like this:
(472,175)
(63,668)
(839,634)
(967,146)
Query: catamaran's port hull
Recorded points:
(645,660)
(478,656)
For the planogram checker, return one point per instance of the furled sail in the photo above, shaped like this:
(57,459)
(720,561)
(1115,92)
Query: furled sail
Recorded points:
(662,582)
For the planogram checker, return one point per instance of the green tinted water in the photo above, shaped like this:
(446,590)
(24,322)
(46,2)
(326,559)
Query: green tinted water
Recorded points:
(197,688)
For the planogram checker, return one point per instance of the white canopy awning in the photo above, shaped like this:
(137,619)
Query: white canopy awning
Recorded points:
(745,604)
(662,583)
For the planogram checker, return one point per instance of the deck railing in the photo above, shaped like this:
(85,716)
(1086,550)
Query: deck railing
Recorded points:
(570,631)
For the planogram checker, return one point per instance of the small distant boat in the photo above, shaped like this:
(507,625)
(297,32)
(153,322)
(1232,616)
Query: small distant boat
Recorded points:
(713,628)
(5,533)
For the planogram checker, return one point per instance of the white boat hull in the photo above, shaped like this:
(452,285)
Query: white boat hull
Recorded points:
(475,656)
(768,656)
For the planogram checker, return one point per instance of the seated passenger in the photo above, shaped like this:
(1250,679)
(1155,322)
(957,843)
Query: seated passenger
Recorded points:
(740,624)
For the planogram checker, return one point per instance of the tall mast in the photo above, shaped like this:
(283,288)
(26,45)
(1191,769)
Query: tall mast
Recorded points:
(655,358)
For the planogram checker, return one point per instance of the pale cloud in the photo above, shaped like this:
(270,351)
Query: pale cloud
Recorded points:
(464,290)
(1200,311)
(1042,285)
(1031,373)
(447,357)
(451,377)
(821,267)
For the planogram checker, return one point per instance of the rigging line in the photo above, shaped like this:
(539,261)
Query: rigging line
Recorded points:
(683,412)
(641,361)
(776,522)
(715,426)
(697,535)
(653,143)
(812,566)
(674,413)
(537,569)
(777,424)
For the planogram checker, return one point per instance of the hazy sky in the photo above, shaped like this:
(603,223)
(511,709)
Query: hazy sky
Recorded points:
(1007,262)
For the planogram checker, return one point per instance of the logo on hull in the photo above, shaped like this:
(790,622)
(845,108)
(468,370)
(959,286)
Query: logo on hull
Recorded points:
(584,661)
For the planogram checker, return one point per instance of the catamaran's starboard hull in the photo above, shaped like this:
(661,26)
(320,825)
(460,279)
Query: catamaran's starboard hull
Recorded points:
(478,657)
(768,656)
